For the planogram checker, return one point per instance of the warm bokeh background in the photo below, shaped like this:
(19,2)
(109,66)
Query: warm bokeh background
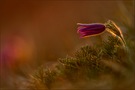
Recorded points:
(36,32)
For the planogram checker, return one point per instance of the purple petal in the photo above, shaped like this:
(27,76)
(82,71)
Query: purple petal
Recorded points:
(90,29)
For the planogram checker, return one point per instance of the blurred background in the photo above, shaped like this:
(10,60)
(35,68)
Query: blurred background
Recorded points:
(35,32)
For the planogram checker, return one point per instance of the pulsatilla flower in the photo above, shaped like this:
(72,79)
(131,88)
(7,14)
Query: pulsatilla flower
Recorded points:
(90,29)
(86,30)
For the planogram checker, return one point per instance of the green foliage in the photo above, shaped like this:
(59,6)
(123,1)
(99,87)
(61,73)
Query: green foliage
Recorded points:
(86,64)
(90,60)
(110,63)
(43,78)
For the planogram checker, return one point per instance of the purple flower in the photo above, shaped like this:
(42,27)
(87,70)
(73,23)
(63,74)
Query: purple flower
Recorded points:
(90,29)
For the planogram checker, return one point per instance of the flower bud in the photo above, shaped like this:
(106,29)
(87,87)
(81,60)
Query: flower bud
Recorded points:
(90,29)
